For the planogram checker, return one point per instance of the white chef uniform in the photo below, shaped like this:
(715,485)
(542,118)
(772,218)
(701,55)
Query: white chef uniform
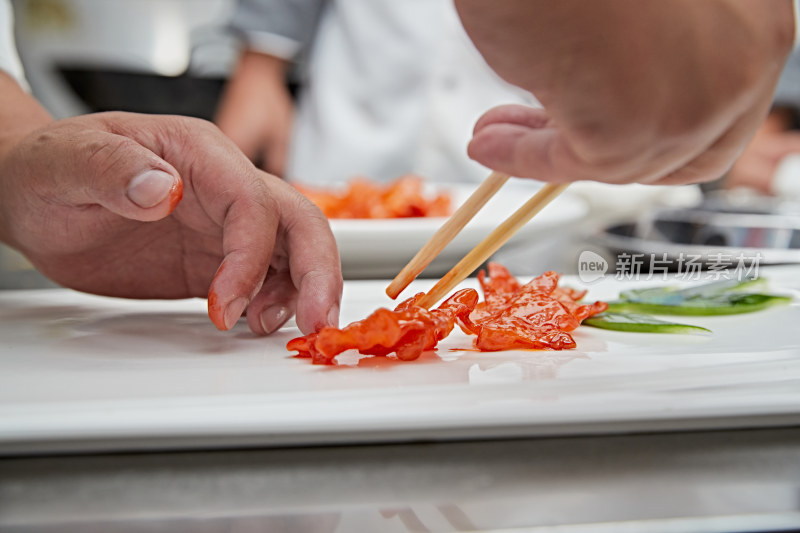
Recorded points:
(393,87)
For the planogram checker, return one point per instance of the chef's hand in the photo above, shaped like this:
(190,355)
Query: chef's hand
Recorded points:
(256,110)
(144,206)
(653,92)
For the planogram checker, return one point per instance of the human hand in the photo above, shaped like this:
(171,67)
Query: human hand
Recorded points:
(144,206)
(655,92)
(256,111)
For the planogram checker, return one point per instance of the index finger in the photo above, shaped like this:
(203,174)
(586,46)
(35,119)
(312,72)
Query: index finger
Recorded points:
(314,262)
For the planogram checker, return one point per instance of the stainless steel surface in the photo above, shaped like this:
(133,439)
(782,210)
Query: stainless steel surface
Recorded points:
(712,481)
(723,226)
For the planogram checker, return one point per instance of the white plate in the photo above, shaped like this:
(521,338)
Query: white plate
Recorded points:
(378,248)
(81,373)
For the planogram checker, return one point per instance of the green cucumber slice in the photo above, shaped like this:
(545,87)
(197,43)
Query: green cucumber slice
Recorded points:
(639,323)
(722,304)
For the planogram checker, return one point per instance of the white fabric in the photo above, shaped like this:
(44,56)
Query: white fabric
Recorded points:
(796,4)
(9,60)
(394,87)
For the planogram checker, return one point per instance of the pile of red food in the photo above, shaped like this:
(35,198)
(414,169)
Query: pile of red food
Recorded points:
(535,315)
(362,198)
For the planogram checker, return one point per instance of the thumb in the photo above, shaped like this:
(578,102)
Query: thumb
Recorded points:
(126,178)
(514,150)
(155,193)
(517,140)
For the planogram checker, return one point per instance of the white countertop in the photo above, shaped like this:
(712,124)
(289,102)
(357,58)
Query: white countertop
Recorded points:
(86,373)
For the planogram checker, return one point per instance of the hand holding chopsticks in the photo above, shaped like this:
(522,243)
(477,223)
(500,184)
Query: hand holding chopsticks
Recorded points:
(483,250)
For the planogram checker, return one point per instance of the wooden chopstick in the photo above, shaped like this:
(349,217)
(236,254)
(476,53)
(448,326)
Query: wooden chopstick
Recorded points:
(446,233)
(491,243)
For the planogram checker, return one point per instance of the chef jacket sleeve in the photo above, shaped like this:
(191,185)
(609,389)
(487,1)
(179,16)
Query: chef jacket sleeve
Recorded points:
(282,28)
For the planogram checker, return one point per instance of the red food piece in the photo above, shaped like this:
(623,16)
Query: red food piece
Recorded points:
(363,198)
(407,331)
(537,315)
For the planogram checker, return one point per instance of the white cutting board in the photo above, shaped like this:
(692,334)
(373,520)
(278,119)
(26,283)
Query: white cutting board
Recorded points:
(87,373)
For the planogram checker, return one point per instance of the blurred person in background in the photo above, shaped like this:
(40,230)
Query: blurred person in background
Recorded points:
(387,88)
(391,88)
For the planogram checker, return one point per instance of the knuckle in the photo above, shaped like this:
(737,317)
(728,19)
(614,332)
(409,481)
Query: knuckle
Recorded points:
(108,152)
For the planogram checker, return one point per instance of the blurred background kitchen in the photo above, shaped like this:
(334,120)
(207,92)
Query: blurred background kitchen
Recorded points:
(175,56)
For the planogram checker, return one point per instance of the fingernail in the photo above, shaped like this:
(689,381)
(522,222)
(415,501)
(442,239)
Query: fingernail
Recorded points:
(273,317)
(234,311)
(149,188)
(333,316)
